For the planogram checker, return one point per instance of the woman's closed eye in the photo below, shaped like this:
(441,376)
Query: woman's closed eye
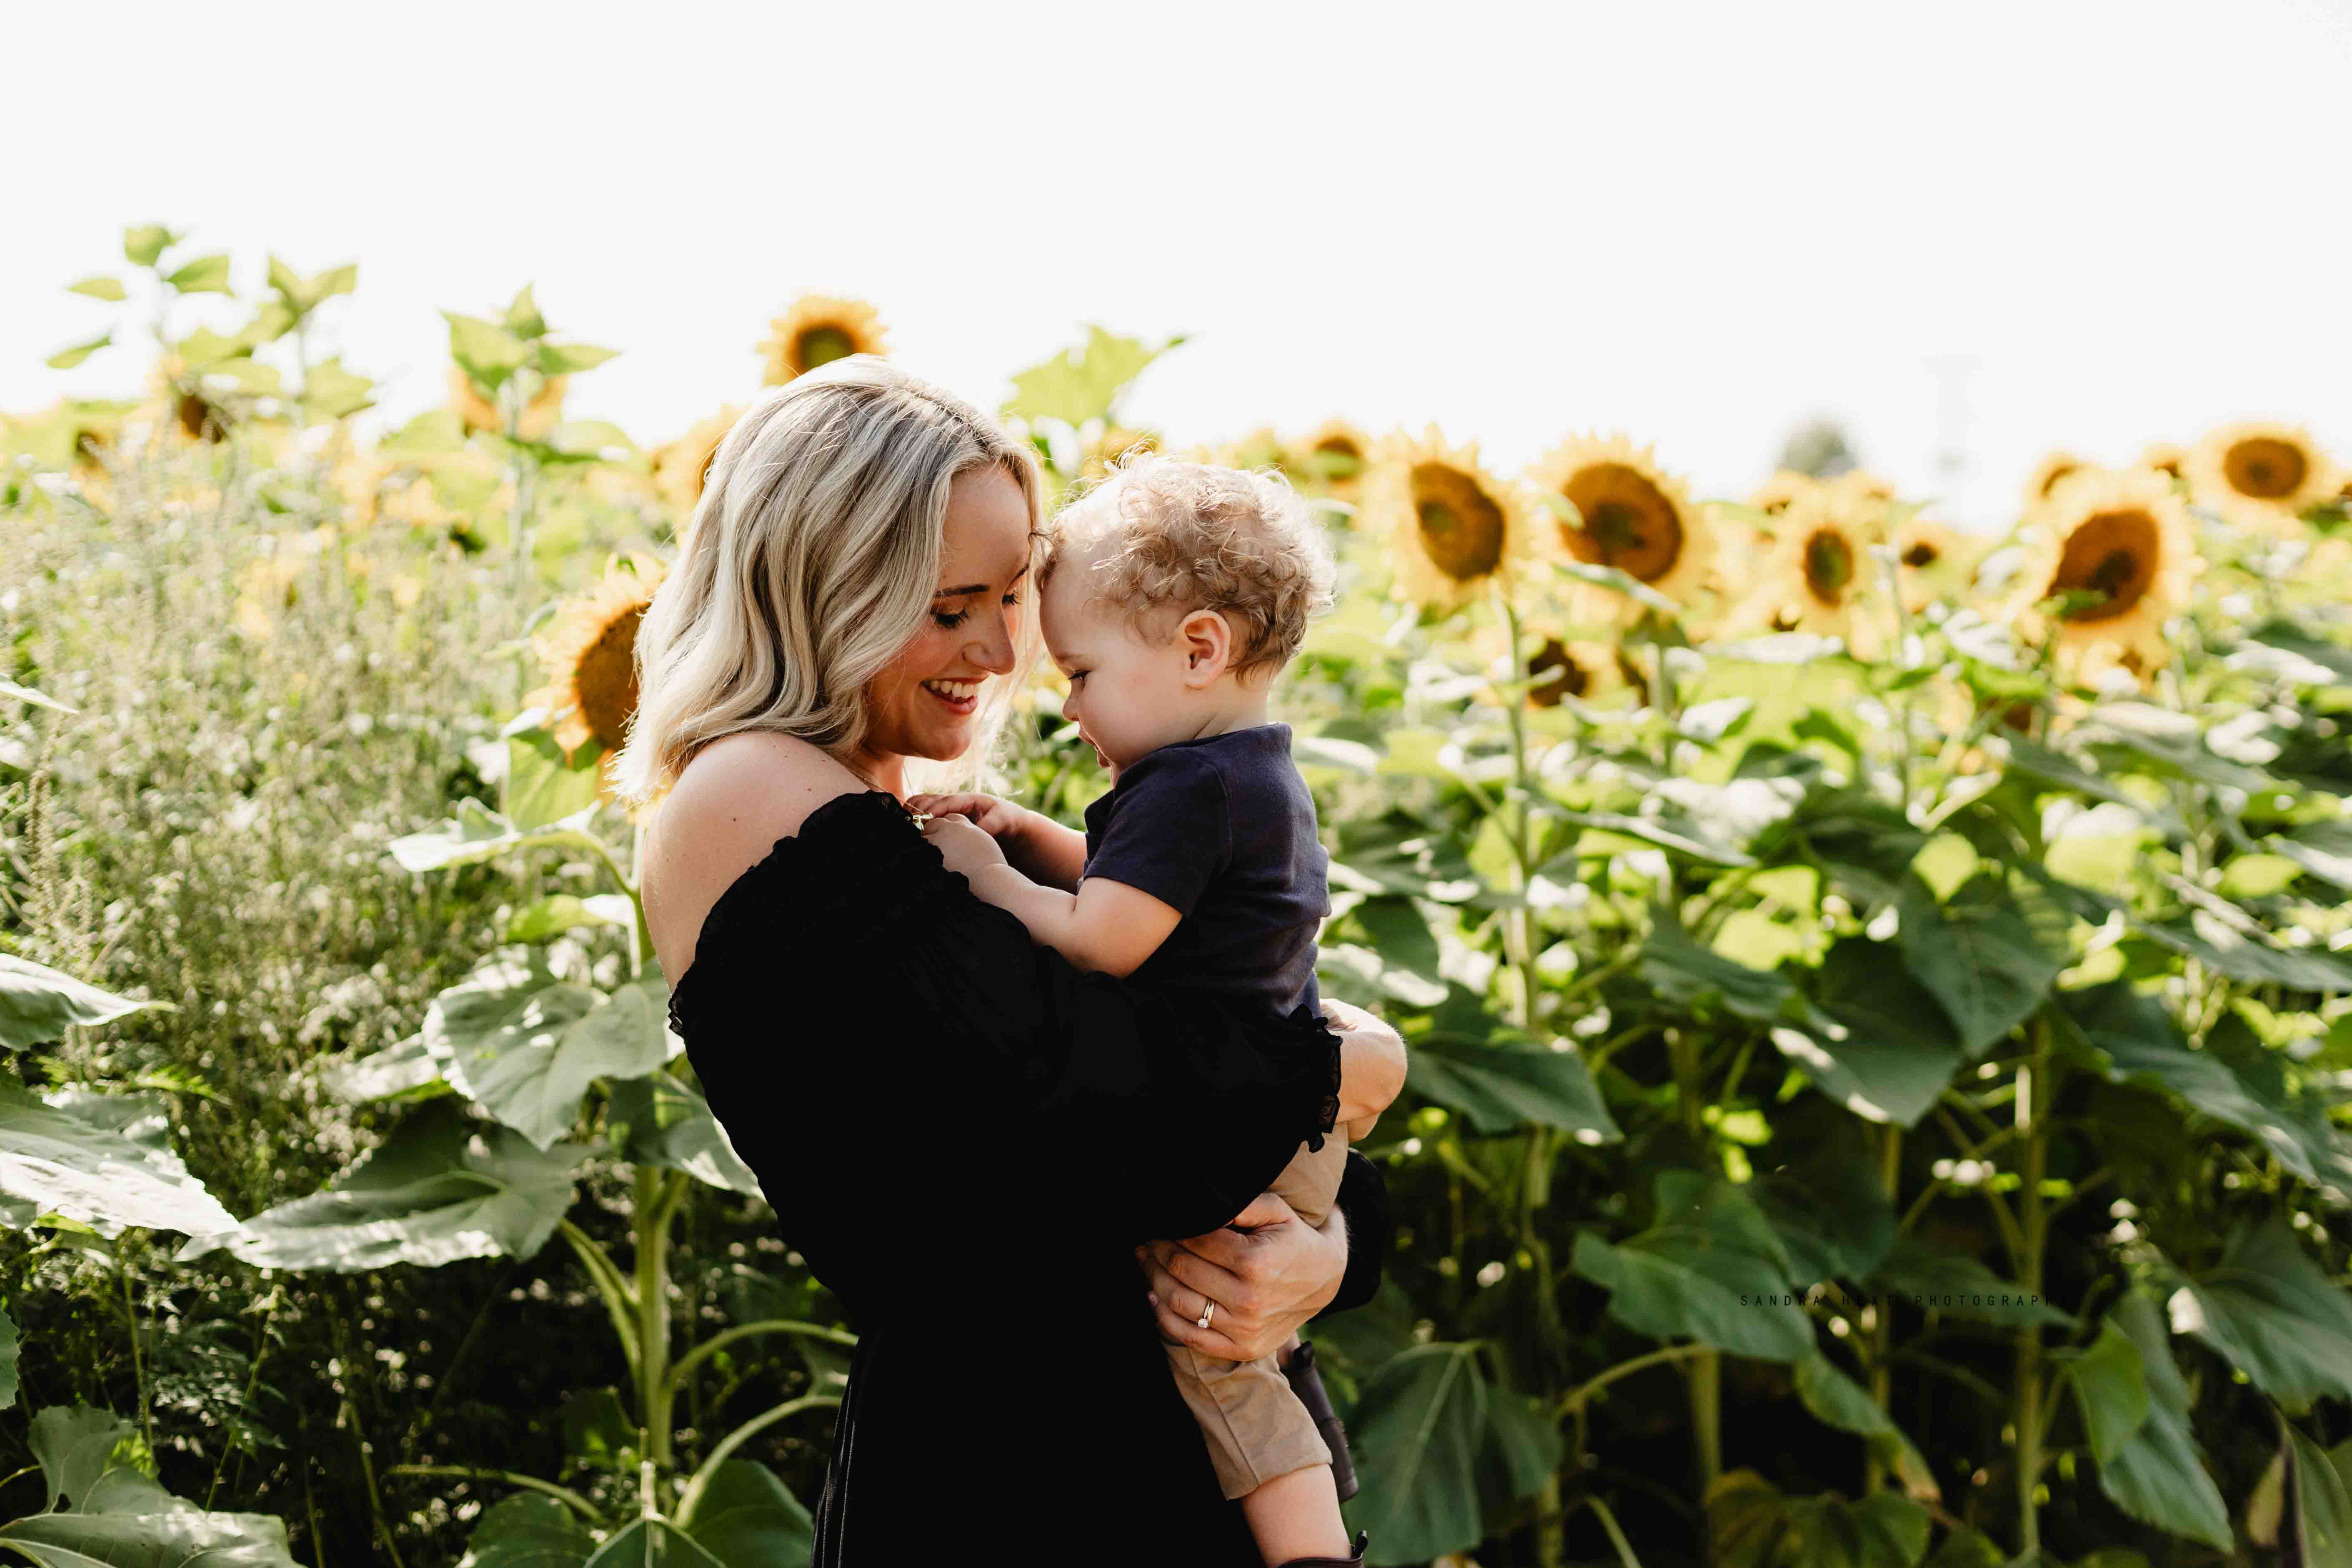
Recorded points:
(949,621)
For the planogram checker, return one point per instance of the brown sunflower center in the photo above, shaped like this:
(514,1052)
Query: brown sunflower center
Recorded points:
(1339,456)
(1629,524)
(605,680)
(198,418)
(1829,566)
(1553,673)
(1921,556)
(2114,553)
(2264,469)
(822,345)
(1461,526)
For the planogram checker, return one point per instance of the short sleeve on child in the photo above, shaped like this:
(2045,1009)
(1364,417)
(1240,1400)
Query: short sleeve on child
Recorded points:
(1166,829)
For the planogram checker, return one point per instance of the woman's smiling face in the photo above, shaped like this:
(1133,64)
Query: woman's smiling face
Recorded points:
(924,704)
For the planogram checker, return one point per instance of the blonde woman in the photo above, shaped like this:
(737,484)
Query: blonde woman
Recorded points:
(992,1158)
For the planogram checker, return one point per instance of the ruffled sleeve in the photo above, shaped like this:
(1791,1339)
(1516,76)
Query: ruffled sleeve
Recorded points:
(883,1048)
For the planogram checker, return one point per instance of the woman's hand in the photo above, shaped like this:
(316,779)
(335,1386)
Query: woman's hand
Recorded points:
(1000,819)
(964,847)
(1267,1279)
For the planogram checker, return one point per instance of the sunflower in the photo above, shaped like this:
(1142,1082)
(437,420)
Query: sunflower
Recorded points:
(1631,515)
(681,466)
(1819,576)
(818,329)
(1933,560)
(1558,667)
(1775,493)
(180,396)
(1258,449)
(1110,446)
(588,652)
(477,413)
(1862,482)
(1451,526)
(2052,469)
(2124,535)
(1336,453)
(2260,476)
(2164,456)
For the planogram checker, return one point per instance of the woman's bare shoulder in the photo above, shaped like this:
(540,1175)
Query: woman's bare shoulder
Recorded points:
(722,816)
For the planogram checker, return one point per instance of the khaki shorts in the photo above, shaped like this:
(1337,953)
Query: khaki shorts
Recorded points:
(1255,1427)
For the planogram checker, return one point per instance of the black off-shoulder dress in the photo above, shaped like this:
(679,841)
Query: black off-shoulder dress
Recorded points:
(912,1079)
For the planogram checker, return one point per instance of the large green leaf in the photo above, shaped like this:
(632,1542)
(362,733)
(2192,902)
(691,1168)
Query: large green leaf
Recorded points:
(1831,1215)
(1988,956)
(2323,1488)
(526,1046)
(529,1531)
(1865,843)
(1501,1088)
(38,1002)
(117,1515)
(76,1155)
(7,1361)
(2272,1310)
(748,1519)
(2322,849)
(1754,1525)
(1960,1287)
(1695,979)
(404,1071)
(2129,1037)
(1082,383)
(1415,1436)
(1711,1269)
(475,832)
(652,1543)
(657,1120)
(442,1187)
(2156,1474)
(2243,956)
(541,788)
(1900,1047)
(2110,1388)
(2054,771)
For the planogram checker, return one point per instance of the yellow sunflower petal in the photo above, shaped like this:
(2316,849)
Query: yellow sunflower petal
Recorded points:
(2054,469)
(588,652)
(1633,516)
(817,330)
(2124,535)
(1775,493)
(1933,560)
(680,467)
(1336,453)
(1451,527)
(2260,476)
(1819,576)
(476,413)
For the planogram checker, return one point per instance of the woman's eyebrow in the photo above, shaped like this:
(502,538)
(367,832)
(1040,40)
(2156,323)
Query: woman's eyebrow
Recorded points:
(974,587)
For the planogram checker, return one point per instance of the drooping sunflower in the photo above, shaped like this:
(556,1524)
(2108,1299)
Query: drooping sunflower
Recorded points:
(1336,453)
(588,654)
(1633,515)
(2053,470)
(2260,476)
(476,413)
(817,330)
(1451,526)
(1933,560)
(2124,535)
(681,466)
(1819,576)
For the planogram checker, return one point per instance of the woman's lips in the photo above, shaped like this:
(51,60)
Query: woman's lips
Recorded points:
(961,701)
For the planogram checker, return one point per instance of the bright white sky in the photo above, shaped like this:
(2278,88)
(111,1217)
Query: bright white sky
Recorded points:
(1696,222)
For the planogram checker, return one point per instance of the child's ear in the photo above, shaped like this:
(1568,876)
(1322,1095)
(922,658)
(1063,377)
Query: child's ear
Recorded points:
(1208,643)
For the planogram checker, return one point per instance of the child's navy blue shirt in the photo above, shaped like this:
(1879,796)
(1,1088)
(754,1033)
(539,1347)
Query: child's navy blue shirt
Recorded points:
(1222,830)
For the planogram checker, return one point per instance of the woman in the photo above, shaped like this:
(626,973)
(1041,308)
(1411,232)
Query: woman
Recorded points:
(972,1143)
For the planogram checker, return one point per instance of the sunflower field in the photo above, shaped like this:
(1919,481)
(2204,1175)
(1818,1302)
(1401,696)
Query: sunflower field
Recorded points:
(1879,994)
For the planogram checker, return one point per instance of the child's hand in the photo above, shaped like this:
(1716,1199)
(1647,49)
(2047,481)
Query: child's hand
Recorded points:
(964,847)
(997,818)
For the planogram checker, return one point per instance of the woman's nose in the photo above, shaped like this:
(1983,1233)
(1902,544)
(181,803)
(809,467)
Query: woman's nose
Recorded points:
(992,650)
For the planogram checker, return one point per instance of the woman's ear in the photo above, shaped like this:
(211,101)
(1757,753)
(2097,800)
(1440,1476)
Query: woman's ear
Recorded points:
(1208,643)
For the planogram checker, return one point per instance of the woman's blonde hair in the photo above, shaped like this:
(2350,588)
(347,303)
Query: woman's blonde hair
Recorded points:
(810,563)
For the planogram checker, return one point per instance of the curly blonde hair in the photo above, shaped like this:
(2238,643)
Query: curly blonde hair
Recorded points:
(1184,536)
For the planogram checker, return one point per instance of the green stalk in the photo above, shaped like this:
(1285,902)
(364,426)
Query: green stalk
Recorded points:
(2033,1090)
(565,1495)
(137,1368)
(620,1298)
(685,1366)
(691,1498)
(1882,1330)
(656,1203)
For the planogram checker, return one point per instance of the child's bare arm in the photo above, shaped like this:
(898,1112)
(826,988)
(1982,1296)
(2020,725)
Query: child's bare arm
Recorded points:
(1371,1066)
(1035,844)
(1105,926)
